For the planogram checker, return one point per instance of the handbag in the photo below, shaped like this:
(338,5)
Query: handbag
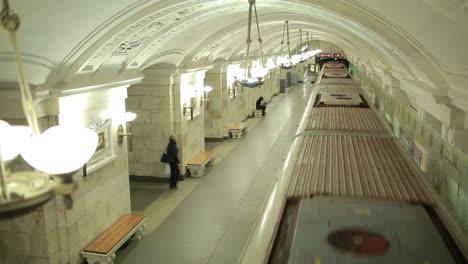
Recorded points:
(164,158)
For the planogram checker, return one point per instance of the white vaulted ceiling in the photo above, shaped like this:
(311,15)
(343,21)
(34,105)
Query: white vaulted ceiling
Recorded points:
(65,42)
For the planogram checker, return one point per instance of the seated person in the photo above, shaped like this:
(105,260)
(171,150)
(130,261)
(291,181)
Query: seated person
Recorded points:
(261,106)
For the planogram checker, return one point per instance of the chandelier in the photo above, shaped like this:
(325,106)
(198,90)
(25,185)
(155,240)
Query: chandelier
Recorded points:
(258,72)
(284,61)
(303,52)
(53,155)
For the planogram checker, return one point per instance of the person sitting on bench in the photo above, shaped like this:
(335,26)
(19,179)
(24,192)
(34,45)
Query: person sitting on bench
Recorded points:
(261,106)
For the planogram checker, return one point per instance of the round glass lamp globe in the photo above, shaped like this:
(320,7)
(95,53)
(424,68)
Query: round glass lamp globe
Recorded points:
(296,58)
(259,72)
(238,73)
(271,64)
(283,60)
(207,89)
(12,140)
(129,116)
(60,149)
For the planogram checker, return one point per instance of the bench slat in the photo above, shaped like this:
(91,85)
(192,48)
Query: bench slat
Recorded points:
(238,126)
(201,158)
(112,236)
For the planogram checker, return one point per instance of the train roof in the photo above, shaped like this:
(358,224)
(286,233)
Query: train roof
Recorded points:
(354,166)
(323,229)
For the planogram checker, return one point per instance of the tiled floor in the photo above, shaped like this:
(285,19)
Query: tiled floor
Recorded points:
(209,219)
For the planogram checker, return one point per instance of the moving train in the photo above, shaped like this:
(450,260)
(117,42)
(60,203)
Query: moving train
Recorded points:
(348,192)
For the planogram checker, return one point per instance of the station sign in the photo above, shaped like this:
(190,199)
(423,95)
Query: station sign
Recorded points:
(325,55)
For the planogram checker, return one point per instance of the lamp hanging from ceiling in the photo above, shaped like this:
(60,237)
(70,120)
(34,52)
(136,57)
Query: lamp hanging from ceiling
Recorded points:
(285,60)
(311,51)
(301,54)
(258,72)
(302,49)
(304,52)
(55,155)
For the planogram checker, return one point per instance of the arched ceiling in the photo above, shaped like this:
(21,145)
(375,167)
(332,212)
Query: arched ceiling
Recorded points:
(71,41)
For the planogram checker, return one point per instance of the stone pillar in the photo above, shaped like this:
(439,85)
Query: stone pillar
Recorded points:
(218,98)
(239,107)
(192,125)
(300,72)
(153,101)
(435,123)
(453,130)
(32,237)
(392,84)
(271,84)
(53,234)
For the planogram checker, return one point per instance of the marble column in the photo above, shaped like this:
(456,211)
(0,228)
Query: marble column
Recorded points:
(215,115)
(392,84)
(155,101)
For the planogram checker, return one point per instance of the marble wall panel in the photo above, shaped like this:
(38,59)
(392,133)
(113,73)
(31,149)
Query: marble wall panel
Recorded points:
(17,243)
(38,247)
(6,225)
(22,259)
(151,103)
(53,243)
(214,108)
(138,90)
(150,137)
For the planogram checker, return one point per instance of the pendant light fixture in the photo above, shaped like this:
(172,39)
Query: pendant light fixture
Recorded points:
(55,154)
(285,60)
(257,72)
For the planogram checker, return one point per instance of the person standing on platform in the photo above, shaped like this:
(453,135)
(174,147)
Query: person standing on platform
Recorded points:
(261,106)
(173,160)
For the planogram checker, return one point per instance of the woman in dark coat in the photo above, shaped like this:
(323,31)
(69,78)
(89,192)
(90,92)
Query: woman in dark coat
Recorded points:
(173,161)
(261,106)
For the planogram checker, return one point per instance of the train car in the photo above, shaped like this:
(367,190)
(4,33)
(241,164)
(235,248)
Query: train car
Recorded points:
(349,193)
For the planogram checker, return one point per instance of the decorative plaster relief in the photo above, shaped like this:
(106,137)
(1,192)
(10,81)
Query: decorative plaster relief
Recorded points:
(160,40)
(140,32)
(222,44)
(137,39)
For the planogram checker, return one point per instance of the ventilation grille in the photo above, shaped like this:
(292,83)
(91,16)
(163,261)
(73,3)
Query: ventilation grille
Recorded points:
(340,99)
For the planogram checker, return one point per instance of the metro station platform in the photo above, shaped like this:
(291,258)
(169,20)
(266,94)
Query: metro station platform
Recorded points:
(209,219)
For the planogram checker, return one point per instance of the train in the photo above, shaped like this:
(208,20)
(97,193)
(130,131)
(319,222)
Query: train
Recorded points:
(348,192)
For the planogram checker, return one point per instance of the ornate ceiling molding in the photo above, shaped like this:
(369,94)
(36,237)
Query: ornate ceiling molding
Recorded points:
(135,34)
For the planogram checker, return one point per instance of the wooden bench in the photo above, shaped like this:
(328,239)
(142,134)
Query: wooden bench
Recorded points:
(102,249)
(237,128)
(258,112)
(198,163)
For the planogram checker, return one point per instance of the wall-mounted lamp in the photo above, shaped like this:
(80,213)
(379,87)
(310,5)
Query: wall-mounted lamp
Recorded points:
(189,107)
(206,91)
(233,89)
(127,117)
